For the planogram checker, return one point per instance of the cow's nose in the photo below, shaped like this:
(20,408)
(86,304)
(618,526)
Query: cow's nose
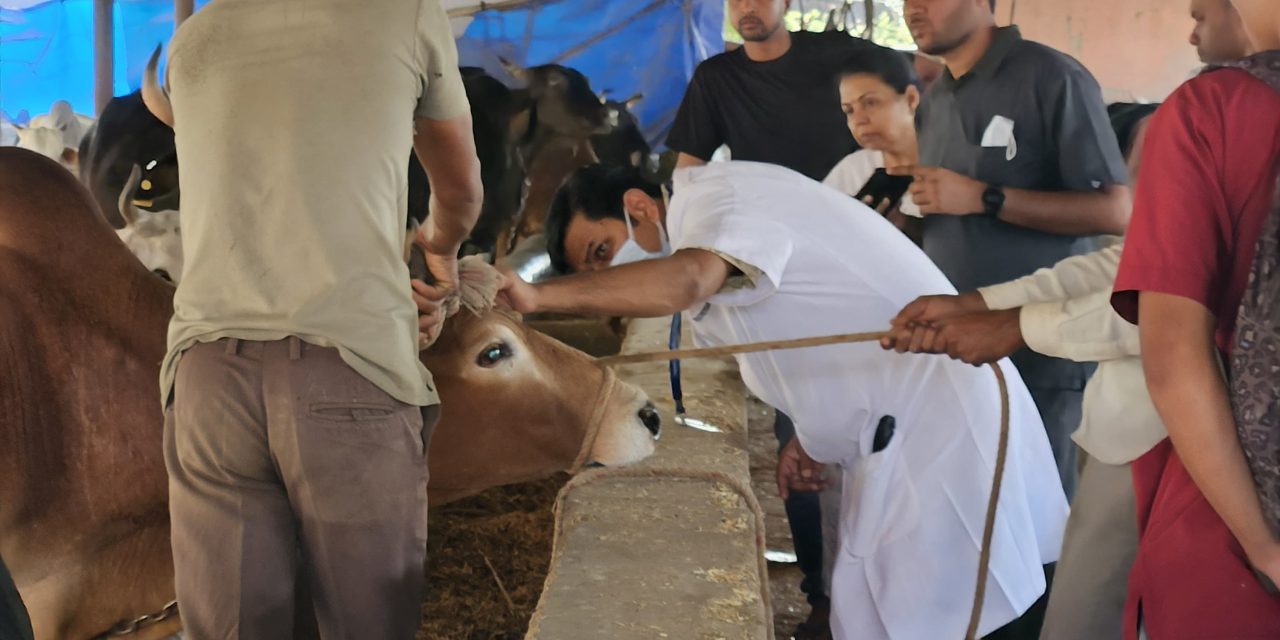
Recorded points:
(650,419)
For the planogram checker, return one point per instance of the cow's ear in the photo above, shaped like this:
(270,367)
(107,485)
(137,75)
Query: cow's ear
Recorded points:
(634,100)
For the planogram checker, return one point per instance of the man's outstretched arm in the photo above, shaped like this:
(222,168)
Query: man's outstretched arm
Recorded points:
(648,289)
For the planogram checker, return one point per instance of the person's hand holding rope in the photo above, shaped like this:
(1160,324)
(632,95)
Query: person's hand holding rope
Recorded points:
(959,326)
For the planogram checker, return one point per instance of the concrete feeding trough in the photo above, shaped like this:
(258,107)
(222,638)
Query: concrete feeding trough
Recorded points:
(672,547)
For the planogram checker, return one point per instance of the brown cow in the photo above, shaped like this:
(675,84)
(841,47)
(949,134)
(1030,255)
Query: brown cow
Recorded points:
(83,499)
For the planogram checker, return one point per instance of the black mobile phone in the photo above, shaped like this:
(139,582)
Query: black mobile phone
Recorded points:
(880,187)
(884,434)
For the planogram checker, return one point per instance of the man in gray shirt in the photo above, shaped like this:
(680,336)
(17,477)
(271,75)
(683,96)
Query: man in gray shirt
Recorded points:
(1020,169)
(298,412)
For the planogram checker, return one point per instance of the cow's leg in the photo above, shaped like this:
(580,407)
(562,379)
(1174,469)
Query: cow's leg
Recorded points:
(354,461)
(233,533)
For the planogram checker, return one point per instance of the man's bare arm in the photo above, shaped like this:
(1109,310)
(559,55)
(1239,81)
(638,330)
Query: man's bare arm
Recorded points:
(939,191)
(447,150)
(1070,213)
(647,289)
(1181,365)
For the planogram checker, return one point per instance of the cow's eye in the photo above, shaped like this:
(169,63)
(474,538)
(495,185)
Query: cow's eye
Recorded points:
(493,354)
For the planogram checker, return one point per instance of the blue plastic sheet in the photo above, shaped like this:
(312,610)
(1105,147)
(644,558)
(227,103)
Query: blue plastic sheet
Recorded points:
(623,47)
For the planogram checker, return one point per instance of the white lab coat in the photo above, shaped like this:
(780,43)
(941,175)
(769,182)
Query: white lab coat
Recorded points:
(912,514)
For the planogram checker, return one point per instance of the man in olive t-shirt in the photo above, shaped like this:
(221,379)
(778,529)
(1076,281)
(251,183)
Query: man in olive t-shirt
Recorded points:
(295,435)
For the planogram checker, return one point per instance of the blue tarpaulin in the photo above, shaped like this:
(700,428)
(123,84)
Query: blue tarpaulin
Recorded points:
(623,47)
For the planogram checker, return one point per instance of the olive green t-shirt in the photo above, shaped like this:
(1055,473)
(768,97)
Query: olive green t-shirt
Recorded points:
(294,124)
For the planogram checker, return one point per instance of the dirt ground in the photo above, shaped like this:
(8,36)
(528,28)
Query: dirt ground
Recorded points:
(488,554)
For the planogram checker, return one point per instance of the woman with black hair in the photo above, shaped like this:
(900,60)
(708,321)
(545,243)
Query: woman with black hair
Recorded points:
(879,94)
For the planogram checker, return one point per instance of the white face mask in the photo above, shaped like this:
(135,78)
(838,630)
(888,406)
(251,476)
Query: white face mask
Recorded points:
(631,251)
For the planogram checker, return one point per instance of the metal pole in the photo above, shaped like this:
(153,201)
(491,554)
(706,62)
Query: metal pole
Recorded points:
(103,70)
(182,9)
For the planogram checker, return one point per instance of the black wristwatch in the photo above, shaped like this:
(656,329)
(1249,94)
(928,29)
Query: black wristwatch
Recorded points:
(992,200)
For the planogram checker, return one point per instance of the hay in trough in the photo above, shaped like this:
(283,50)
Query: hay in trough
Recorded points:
(487,558)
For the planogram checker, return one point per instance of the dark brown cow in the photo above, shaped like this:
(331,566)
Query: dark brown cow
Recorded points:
(551,167)
(83,513)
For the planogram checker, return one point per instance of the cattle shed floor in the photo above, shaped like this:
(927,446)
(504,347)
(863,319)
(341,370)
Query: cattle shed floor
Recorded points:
(669,555)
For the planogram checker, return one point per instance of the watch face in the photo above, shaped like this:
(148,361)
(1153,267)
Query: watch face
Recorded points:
(993,199)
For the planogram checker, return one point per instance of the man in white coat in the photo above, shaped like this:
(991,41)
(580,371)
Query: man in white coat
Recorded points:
(754,252)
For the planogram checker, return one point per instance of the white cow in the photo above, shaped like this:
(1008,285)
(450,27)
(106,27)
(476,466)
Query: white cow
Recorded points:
(73,126)
(154,237)
(57,135)
(49,142)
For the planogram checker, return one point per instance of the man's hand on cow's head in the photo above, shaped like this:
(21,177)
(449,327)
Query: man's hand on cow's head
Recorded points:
(797,472)
(442,267)
(516,294)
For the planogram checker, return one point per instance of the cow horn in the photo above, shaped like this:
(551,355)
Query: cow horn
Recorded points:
(519,73)
(152,95)
(633,100)
(125,203)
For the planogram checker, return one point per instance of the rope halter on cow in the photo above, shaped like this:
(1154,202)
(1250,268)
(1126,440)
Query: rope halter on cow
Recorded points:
(984,557)
(608,384)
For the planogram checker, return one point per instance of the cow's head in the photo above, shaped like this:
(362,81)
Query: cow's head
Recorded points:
(154,237)
(564,100)
(625,145)
(49,142)
(524,404)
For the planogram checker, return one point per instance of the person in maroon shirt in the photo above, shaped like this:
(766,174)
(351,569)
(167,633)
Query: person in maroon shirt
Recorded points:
(1208,183)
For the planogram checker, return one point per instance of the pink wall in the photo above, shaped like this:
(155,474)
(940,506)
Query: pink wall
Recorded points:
(1135,48)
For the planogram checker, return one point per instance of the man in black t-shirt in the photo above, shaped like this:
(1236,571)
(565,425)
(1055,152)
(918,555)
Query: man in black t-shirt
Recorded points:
(774,99)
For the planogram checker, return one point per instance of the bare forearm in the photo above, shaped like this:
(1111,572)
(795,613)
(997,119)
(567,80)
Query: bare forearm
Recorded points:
(1181,366)
(447,151)
(452,222)
(1069,213)
(647,289)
